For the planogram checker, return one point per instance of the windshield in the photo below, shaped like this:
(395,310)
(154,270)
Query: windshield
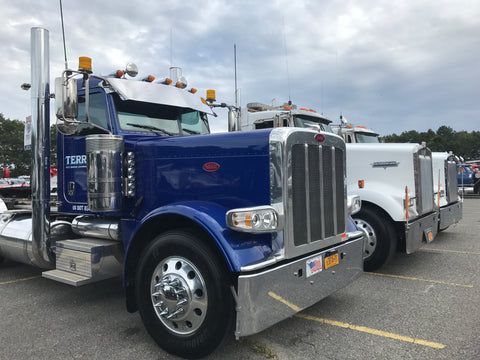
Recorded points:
(311,122)
(171,120)
(366,138)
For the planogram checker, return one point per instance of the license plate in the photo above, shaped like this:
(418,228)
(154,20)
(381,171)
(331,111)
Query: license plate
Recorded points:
(331,261)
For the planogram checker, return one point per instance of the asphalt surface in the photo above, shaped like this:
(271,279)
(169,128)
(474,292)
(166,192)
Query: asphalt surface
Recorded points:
(419,306)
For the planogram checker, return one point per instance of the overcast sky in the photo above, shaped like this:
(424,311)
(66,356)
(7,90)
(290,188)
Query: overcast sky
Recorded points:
(393,66)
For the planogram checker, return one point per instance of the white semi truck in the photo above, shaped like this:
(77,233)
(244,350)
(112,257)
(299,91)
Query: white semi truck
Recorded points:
(394,181)
(448,202)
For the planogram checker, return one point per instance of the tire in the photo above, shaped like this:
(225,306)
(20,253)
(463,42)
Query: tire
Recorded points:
(194,309)
(380,238)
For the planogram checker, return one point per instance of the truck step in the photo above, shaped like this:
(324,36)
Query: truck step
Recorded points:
(87,260)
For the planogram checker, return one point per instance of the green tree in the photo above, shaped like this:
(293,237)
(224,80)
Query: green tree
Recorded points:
(12,153)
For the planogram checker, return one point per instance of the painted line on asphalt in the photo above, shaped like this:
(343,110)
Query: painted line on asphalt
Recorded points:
(364,329)
(371,331)
(450,251)
(418,279)
(19,280)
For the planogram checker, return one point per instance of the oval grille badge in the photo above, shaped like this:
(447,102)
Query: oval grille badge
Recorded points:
(320,138)
(211,166)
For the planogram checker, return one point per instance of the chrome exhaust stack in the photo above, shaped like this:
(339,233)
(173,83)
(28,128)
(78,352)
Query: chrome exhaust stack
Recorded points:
(40,180)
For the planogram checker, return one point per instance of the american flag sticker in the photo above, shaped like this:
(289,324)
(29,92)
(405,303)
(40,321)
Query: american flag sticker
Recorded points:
(314,265)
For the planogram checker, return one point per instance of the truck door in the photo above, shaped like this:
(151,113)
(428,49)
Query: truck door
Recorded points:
(72,159)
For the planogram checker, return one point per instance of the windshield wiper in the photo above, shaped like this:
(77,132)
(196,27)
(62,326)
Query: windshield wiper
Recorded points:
(151,128)
(191,131)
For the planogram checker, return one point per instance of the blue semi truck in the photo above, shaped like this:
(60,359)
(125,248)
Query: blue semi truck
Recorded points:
(215,234)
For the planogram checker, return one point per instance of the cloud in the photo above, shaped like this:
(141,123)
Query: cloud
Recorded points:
(392,66)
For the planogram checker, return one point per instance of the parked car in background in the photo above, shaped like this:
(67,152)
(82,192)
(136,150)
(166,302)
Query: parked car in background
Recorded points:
(468,179)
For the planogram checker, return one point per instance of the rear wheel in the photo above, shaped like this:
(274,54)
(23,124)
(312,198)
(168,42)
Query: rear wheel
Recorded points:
(183,295)
(380,238)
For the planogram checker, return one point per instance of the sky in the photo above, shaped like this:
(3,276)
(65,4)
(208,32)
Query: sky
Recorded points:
(392,66)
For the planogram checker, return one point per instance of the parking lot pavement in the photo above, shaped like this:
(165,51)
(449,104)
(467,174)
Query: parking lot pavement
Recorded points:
(419,306)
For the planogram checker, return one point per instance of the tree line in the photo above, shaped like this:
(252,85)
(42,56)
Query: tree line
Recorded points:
(462,143)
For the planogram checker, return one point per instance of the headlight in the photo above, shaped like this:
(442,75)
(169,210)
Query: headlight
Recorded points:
(257,219)
(354,204)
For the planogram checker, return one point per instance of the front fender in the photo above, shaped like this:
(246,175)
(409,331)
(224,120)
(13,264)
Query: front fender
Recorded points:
(390,199)
(238,249)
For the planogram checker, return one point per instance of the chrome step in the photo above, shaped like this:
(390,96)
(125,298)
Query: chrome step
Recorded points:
(87,260)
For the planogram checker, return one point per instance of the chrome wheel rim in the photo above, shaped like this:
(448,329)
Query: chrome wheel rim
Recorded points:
(370,238)
(179,295)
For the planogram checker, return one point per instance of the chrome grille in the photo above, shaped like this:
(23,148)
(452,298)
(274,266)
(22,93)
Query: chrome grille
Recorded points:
(451,181)
(318,192)
(423,181)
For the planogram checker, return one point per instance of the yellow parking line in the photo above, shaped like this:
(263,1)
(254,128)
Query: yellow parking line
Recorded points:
(374,331)
(417,279)
(451,251)
(356,327)
(19,280)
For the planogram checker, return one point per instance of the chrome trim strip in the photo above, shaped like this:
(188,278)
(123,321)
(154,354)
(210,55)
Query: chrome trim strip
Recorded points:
(322,185)
(334,187)
(307,196)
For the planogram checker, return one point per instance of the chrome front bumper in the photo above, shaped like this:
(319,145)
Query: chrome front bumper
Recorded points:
(450,214)
(419,229)
(270,296)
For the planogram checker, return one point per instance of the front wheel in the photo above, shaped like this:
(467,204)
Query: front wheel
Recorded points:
(183,295)
(380,238)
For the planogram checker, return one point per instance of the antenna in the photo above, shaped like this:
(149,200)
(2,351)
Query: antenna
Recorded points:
(171,47)
(235,65)
(63,33)
(286,60)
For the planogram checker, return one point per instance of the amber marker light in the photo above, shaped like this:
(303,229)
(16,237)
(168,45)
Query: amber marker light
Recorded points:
(407,203)
(361,184)
(168,81)
(120,73)
(211,95)
(85,64)
(193,90)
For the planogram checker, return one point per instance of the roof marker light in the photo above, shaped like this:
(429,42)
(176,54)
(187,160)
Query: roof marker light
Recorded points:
(168,81)
(119,73)
(193,90)
(149,78)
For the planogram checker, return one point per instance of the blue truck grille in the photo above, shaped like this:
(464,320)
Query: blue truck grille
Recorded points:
(318,192)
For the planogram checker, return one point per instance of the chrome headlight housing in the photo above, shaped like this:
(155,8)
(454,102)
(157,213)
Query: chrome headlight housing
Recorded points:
(254,219)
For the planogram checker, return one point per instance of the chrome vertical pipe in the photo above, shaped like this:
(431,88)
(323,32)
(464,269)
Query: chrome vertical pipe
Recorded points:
(40,179)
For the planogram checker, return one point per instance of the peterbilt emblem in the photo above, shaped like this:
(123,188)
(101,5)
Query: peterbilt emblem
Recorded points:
(385,164)
(320,137)
(211,166)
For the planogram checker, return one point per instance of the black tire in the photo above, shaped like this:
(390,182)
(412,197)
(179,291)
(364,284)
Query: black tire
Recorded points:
(184,269)
(380,237)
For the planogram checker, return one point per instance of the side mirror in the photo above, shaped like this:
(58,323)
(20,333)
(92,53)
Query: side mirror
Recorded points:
(66,105)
